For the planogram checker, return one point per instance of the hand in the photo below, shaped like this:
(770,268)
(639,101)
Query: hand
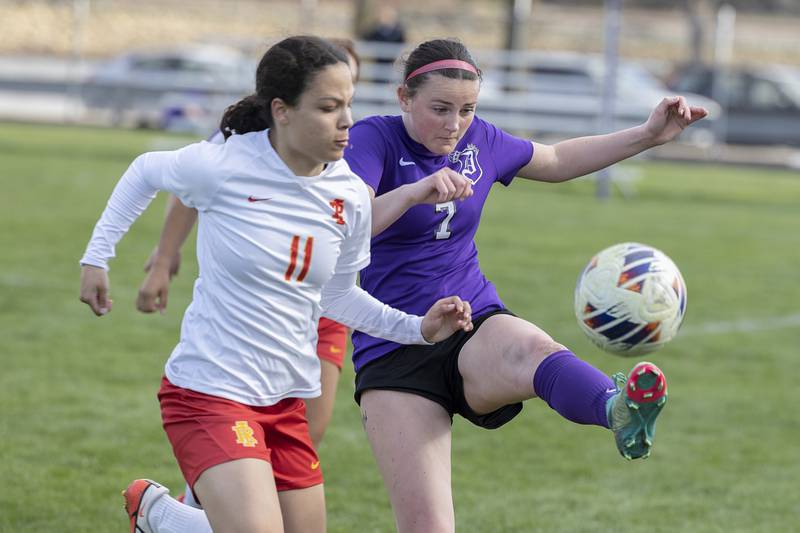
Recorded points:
(174,262)
(445,317)
(670,117)
(442,186)
(94,289)
(154,290)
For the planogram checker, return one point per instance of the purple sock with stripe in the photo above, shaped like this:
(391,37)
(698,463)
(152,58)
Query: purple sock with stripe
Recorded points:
(574,388)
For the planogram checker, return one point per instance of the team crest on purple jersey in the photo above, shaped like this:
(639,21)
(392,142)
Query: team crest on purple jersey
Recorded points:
(467,160)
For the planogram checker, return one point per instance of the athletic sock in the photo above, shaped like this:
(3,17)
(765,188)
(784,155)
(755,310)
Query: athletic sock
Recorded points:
(574,388)
(168,515)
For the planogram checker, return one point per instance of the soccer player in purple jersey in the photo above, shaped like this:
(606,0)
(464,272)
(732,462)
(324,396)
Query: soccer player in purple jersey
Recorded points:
(408,394)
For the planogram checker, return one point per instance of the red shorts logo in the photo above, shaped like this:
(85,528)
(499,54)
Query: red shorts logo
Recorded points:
(244,434)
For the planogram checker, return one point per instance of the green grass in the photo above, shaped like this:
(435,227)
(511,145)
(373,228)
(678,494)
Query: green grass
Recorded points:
(77,394)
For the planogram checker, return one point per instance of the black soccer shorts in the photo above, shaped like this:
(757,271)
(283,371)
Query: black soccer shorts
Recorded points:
(432,372)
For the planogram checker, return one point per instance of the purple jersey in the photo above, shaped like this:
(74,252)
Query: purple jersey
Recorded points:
(429,252)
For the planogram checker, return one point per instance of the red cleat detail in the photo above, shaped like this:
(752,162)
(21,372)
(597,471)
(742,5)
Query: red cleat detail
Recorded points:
(135,505)
(646,384)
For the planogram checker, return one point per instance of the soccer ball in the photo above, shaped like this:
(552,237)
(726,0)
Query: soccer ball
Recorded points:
(630,299)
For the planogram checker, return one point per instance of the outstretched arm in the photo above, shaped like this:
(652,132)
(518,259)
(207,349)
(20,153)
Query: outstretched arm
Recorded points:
(583,155)
(164,262)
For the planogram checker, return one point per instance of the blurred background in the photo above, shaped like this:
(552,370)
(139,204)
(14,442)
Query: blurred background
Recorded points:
(551,69)
(87,85)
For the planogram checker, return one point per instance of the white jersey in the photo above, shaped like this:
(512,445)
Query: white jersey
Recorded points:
(267,243)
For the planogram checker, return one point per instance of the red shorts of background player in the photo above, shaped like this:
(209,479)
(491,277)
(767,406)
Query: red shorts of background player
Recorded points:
(208,430)
(332,343)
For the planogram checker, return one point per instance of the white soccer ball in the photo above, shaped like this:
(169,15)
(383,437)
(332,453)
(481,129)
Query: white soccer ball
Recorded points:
(630,299)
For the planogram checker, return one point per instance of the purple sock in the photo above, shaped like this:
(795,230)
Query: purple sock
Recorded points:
(574,388)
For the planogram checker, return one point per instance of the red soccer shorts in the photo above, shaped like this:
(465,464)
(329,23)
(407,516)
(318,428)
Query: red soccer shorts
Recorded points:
(207,430)
(332,343)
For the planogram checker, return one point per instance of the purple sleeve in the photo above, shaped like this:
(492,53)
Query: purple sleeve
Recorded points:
(510,153)
(366,153)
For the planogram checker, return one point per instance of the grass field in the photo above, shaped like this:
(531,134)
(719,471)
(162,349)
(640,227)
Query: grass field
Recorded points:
(77,394)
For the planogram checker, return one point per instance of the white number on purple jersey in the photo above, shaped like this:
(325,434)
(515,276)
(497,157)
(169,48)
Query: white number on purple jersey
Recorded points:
(444,228)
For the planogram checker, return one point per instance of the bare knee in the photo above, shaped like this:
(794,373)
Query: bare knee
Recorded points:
(427,521)
(532,350)
(521,361)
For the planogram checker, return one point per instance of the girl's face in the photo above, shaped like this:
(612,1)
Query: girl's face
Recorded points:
(440,112)
(315,130)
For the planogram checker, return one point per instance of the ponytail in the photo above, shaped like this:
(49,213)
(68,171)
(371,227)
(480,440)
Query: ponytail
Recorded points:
(284,72)
(248,114)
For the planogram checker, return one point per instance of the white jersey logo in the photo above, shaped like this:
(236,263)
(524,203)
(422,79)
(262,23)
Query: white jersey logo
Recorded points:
(404,163)
(469,167)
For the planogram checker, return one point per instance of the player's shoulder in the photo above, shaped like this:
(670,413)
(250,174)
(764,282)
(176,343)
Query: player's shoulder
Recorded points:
(244,146)
(378,121)
(377,127)
(199,157)
(229,156)
(482,128)
(347,182)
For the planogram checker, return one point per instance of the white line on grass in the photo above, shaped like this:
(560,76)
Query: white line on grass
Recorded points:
(742,326)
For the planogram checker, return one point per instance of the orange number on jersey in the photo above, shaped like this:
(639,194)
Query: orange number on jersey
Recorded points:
(293,258)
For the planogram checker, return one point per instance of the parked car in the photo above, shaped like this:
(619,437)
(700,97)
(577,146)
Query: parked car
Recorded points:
(571,85)
(762,103)
(145,88)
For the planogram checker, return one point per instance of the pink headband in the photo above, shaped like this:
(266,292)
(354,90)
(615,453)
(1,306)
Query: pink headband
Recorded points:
(443,64)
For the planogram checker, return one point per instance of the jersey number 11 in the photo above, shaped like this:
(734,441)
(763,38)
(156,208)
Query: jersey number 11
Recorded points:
(293,258)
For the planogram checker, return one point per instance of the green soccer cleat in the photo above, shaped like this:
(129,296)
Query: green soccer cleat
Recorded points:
(633,410)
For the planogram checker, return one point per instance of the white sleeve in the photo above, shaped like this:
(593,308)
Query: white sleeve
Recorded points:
(349,304)
(148,174)
(355,248)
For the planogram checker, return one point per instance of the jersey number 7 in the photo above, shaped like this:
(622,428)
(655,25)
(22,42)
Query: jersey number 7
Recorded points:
(443,232)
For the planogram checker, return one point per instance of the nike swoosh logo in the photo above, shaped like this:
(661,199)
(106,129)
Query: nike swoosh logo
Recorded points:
(404,163)
(334,349)
(252,199)
(314,465)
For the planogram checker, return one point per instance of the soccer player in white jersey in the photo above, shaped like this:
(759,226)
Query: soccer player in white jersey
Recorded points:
(164,263)
(284,227)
